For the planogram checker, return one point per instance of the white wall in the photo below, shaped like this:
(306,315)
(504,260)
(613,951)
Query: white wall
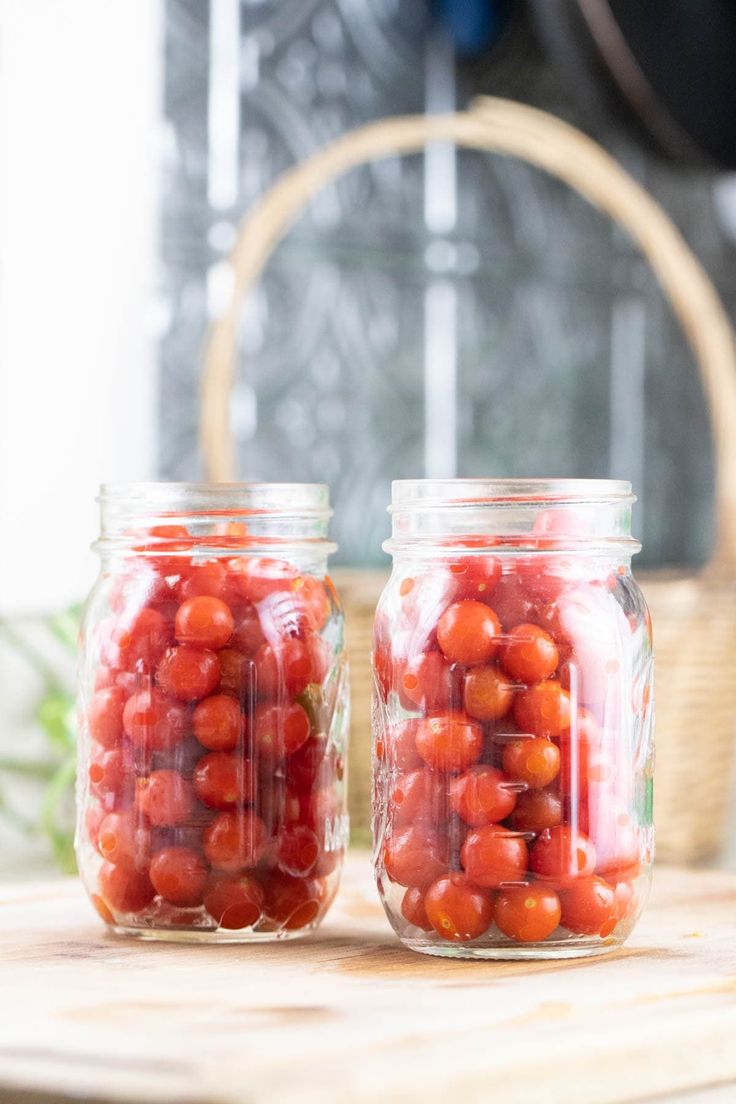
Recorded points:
(79,134)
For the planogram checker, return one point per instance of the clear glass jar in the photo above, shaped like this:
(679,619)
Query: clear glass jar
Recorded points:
(512,746)
(212,713)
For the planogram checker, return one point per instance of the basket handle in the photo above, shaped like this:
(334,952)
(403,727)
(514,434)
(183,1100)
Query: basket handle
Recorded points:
(499,126)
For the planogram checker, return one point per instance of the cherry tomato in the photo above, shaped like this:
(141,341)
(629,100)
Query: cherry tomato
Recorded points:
(205,580)
(428,682)
(536,810)
(166,798)
(475,577)
(412,857)
(313,598)
(625,898)
(235,840)
(188,673)
(400,749)
(492,856)
(449,741)
(534,761)
(223,780)
(234,902)
(141,586)
(280,730)
(467,633)
(105,716)
(512,602)
(297,850)
(248,634)
(482,795)
(110,772)
(304,765)
(293,903)
(179,875)
(413,910)
(285,668)
(528,914)
(204,622)
(618,846)
(417,795)
(258,577)
(562,855)
(143,640)
(543,709)
(153,721)
(218,723)
(589,907)
(529,654)
(125,889)
(237,674)
(488,694)
(123,837)
(457,909)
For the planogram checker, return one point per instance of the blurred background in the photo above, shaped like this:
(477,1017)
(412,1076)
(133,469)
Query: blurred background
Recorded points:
(450,314)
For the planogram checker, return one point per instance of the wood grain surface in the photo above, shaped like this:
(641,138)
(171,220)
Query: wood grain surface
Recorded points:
(349,1015)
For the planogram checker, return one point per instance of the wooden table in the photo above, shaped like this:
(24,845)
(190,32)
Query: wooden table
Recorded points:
(350,1016)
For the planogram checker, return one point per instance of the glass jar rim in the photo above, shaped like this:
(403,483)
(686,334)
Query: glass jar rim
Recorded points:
(408,494)
(311,499)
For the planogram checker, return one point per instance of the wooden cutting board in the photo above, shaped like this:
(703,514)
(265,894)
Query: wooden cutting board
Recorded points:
(350,1016)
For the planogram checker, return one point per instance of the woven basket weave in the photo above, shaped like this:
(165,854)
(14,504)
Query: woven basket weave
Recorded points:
(694,616)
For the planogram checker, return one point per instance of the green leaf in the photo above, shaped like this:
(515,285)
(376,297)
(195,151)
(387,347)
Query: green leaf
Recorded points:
(56,717)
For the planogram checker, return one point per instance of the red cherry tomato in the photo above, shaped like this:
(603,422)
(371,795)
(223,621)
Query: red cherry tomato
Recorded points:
(204,622)
(166,798)
(528,914)
(457,909)
(203,580)
(143,639)
(618,846)
(312,596)
(428,682)
(304,766)
(234,902)
(223,779)
(125,889)
(235,841)
(468,632)
(449,742)
(488,694)
(413,910)
(536,810)
(293,903)
(297,850)
(280,730)
(188,673)
(543,710)
(529,654)
(179,875)
(110,773)
(589,907)
(248,634)
(123,837)
(237,674)
(625,898)
(218,723)
(562,855)
(154,722)
(399,746)
(412,857)
(285,668)
(482,795)
(105,716)
(512,603)
(475,577)
(492,856)
(417,795)
(257,577)
(534,761)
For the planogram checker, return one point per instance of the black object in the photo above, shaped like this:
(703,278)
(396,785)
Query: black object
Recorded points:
(667,67)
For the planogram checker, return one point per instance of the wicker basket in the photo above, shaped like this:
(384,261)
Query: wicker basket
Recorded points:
(694,616)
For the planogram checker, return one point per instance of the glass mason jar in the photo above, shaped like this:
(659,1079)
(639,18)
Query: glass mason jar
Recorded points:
(212,713)
(512,747)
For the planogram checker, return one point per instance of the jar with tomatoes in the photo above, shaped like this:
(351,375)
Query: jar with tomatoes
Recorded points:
(512,745)
(212,714)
